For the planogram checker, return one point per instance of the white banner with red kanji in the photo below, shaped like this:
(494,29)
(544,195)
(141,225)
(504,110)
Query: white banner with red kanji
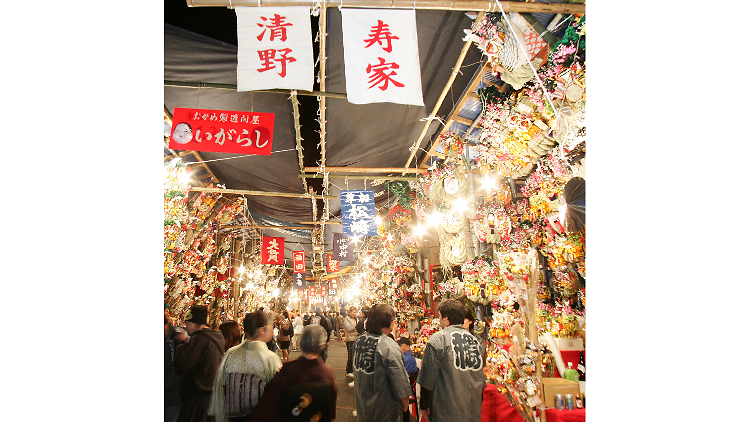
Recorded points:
(381,56)
(274,48)
(272,251)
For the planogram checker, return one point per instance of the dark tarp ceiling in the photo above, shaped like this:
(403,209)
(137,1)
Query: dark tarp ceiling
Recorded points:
(371,135)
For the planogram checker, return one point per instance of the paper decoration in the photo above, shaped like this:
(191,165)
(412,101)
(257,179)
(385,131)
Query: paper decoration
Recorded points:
(332,265)
(238,132)
(272,251)
(381,56)
(358,212)
(274,48)
(343,247)
(298,258)
(299,281)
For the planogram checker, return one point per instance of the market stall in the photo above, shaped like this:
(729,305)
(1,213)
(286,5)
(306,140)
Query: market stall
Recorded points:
(489,209)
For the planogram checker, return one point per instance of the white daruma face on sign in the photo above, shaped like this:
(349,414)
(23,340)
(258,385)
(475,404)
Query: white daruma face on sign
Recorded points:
(182,133)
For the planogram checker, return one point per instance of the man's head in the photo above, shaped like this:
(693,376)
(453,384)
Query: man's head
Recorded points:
(451,312)
(380,319)
(319,310)
(352,311)
(196,318)
(404,343)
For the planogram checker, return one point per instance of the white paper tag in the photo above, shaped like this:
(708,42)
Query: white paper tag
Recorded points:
(582,368)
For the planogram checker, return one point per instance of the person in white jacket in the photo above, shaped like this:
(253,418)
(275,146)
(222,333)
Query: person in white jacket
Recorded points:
(298,326)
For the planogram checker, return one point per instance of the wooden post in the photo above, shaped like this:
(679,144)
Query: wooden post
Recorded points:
(236,285)
(463,5)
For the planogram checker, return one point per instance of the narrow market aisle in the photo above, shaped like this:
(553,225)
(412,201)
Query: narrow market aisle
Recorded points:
(337,360)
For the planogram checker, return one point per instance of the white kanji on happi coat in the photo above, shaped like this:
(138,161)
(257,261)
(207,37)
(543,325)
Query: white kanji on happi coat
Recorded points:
(274,48)
(381,56)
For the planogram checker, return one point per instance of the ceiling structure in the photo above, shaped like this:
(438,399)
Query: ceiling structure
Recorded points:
(350,146)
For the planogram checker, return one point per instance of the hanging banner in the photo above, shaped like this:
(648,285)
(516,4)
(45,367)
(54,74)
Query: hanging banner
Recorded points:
(313,291)
(272,251)
(298,258)
(381,56)
(358,212)
(343,247)
(299,281)
(332,265)
(333,287)
(324,290)
(274,48)
(237,132)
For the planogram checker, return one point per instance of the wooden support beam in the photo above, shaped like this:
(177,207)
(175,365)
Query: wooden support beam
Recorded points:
(261,193)
(364,170)
(463,5)
(211,85)
(327,222)
(350,177)
(478,76)
(463,120)
(448,85)
(266,227)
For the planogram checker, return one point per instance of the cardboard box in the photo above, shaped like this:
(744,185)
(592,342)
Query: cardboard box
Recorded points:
(554,386)
(565,344)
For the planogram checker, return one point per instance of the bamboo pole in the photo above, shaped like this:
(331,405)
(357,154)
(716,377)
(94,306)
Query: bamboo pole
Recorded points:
(298,137)
(447,88)
(463,5)
(266,227)
(323,34)
(339,176)
(261,193)
(327,222)
(185,84)
(365,170)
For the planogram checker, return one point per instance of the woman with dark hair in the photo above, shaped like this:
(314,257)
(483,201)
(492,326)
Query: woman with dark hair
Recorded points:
(230,329)
(308,368)
(252,357)
(381,385)
(285,336)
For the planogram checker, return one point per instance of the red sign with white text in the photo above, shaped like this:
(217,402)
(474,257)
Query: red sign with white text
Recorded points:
(332,265)
(299,261)
(272,251)
(324,290)
(236,132)
(313,291)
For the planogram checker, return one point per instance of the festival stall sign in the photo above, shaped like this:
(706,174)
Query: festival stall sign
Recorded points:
(274,48)
(358,212)
(332,265)
(313,291)
(333,287)
(381,56)
(236,132)
(343,247)
(324,290)
(300,281)
(272,251)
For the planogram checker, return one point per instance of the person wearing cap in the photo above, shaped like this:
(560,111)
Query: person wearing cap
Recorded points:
(320,319)
(197,362)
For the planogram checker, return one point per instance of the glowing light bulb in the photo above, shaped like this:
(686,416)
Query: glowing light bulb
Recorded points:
(460,205)
(420,230)
(184,177)
(488,183)
(355,238)
(378,220)
(389,237)
(435,218)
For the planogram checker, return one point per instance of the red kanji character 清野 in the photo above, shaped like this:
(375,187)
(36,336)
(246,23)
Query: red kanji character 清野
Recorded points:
(267,57)
(276,25)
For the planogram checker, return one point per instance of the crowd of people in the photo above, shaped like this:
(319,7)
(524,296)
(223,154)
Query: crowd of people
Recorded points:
(235,375)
